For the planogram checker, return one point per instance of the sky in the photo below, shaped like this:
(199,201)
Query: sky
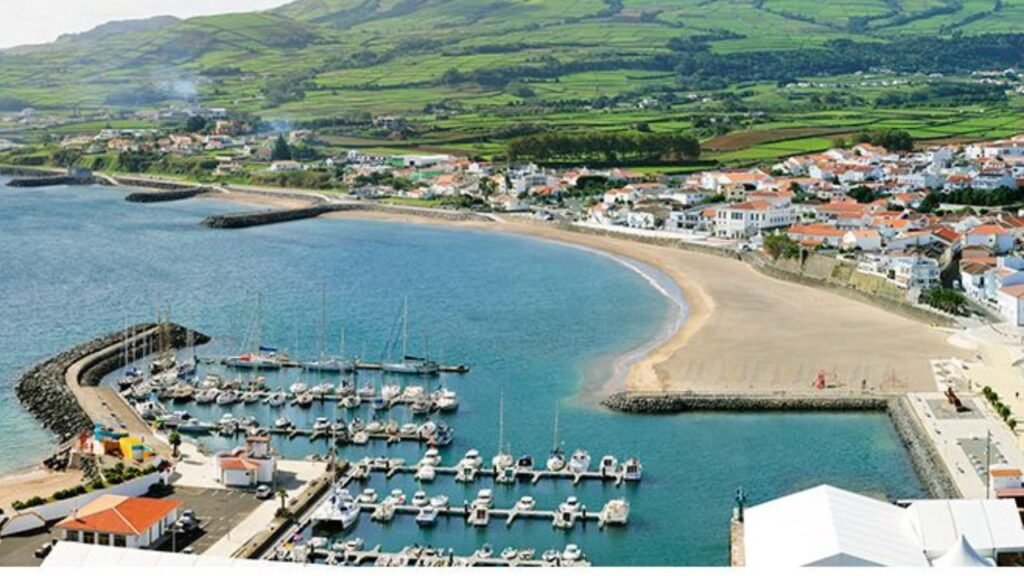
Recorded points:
(40,21)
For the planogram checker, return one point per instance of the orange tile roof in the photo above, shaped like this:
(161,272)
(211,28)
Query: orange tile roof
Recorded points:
(111,514)
(1018,293)
(238,464)
(988,229)
(816,230)
(758,205)
(1005,472)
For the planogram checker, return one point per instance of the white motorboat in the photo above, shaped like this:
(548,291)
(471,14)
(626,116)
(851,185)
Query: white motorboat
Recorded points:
(321,425)
(409,429)
(321,390)
(615,512)
(609,466)
(526,503)
(446,400)
(350,402)
(330,366)
(211,381)
(524,465)
(374,427)
(509,553)
(298,388)
(479,516)
(366,391)
(227,397)
(427,429)
(282,423)
(360,438)
(570,506)
(579,462)
(345,389)
(432,457)
(485,551)
(389,392)
(439,501)
(250,397)
(550,556)
(421,407)
(253,362)
(340,508)
(354,545)
(420,499)
(632,470)
(207,396)
(368,496)
(425,473)
(572,554)
(303,400)
(484,498)
(556,461)
(472,459)
(427,515)
(277,398)
(412,393)
(396,496)
(150,409)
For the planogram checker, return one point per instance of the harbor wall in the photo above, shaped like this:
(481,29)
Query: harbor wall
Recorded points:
(265,217)
(924,457)
(169,195)
(7,170)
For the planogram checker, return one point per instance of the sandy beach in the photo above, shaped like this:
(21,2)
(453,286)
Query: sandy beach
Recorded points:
(36,482)
(749,333)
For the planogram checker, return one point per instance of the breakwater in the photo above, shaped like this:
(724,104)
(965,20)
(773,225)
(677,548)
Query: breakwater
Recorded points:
(55,180)
(927,462)
(169,195)
(264,217)
(44,389)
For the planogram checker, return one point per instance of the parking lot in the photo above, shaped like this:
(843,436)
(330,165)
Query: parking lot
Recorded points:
(217,511)
(20,550)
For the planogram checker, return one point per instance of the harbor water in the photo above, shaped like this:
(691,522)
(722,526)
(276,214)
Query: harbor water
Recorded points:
(532,318)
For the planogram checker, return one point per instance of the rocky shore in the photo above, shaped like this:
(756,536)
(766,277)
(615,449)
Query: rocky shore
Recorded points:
(44,391)
(927,462)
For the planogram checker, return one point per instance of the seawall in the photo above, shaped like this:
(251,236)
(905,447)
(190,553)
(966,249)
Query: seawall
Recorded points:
(43,389)
(164,195)
(40,181)
(924,457)
(264,217)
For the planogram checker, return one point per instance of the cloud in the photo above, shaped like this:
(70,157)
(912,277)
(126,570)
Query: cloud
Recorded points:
(39,21)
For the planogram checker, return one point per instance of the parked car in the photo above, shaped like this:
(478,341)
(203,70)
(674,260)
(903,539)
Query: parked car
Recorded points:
(44,550)
(263,492)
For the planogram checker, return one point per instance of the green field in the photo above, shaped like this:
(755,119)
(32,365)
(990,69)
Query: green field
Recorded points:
(466,72)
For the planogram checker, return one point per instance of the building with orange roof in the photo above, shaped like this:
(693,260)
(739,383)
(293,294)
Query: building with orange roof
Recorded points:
(864,239)
(991,236)
(121,521)
(747,219)
(816,235)
(246,466)
(1011,304)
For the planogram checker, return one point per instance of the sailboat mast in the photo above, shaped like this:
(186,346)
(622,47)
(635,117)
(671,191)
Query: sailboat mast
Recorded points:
(323,321)
(554,445)
(501,419)
(405,328)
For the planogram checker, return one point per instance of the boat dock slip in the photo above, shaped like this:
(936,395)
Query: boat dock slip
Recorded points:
(469,514)
(413,557)
(366,366)
(318,435)
(532,477)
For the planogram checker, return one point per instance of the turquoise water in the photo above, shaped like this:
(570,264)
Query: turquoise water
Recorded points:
(530,317)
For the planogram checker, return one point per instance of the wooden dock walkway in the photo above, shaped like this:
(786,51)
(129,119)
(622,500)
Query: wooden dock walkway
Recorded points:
(412,557)
(533,476)
(510,515)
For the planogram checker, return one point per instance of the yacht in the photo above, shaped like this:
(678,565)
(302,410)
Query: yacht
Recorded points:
(321,425)
(258,361)
(524,465)
(368,496)
(570,506)
(439,501)
(330,366)
(250,397)
(572,554)
(526,503)
(420,499)
(207,396)
(350,402)
(282,423)
(556,461)
(632,470)
(298,388)
(615,512)
(389,392)
(472,459)
(340,508)
(608,467)
(427,515)
(579,462)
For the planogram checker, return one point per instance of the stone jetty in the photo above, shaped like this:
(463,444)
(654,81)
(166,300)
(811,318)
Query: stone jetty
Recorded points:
(165,195)
(264,217)
(73,176)
(44,389)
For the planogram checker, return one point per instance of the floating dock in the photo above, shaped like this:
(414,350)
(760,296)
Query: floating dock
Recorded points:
(365,366)
(412,557)
(316,435)
(533,476)
(510,515)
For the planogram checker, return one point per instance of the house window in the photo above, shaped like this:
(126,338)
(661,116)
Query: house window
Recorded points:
(72,536)
(119,541)
(104,539)
(89,537)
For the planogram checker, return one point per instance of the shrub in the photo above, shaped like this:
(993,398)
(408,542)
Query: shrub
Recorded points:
(18,505)
(1012,423)
(35,501)
(97,484)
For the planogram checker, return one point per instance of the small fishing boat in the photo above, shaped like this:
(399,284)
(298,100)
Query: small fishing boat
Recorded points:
(349,402)
(615,512)
(524,465)
(440,501)
(571,505)
(298,388)
(579,462)
(368,496)
(283,423)
(250,397)
(303,400)
(446,400)
(389,392)
(526,504)
(572,554)
(509,553)
(484,498)
(207,396)
(427,515)
(632,470)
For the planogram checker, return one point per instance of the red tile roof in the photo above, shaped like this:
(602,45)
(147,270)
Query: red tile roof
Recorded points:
(111,514)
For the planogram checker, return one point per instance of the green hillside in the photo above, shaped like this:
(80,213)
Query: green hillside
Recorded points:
(466,73)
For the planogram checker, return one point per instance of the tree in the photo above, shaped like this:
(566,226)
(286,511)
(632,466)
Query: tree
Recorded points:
(281,150)
(195,124)
(284,499)
(175,442)
(946,300)
(781,246)
(66,157)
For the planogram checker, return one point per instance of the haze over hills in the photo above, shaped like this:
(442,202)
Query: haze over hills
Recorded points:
(313,60)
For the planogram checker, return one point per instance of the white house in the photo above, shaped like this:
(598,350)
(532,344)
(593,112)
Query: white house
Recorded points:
(121,521)
(915,272)
(992,236)
(867,240)
(747,219)
(1011,304)
(248,466)
(828,526)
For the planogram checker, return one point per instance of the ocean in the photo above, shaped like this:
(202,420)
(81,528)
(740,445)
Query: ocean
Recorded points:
(543,322)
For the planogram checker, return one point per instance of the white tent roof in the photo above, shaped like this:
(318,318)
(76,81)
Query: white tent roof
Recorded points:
(961,555)
(828,526)
(77,555)
(990,525)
